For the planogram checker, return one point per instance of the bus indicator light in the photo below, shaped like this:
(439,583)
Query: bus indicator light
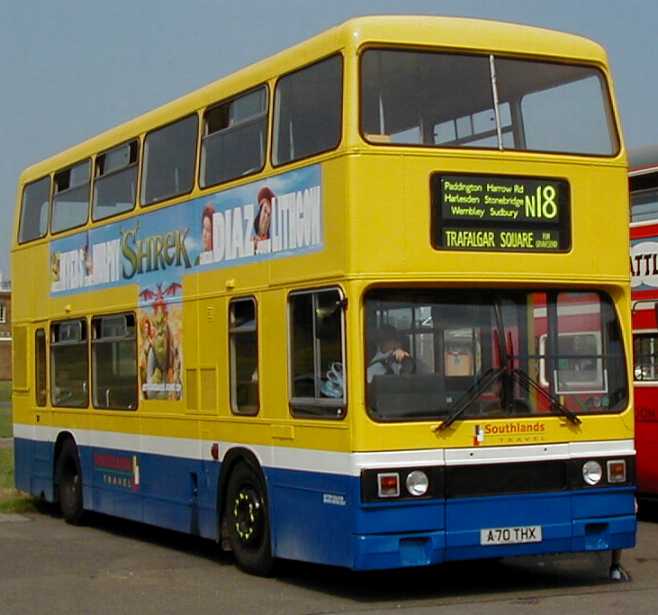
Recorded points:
(616,471)
(388,485)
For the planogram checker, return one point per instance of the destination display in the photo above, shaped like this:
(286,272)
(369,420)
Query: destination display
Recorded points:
(500,213)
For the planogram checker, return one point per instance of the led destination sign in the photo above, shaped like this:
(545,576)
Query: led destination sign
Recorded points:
(500,213)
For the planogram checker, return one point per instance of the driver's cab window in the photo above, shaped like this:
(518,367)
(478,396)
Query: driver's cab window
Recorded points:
(471,353)
(422,339)
(317,353)
(426,350)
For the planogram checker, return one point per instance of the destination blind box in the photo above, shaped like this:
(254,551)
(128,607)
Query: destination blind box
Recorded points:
(500,213)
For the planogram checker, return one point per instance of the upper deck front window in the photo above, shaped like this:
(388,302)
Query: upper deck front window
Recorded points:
(456,100)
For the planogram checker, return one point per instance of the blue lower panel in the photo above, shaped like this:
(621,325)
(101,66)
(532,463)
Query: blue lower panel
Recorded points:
(171,492)
(320,517)
(23,454)
(465,518)
(377,552)
(33,466)
(311,516)
(610,525)
(604,533)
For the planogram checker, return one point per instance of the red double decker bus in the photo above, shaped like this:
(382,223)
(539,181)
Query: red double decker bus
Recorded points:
(643,181)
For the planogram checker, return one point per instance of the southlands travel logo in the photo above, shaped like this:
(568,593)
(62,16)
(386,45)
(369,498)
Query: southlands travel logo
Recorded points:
(509,432)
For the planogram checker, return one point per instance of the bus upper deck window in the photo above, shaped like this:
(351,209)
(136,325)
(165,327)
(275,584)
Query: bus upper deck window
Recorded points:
(169,159)
(563,108)
(71,197)
(307,111)
(235,138)
(115,183)
(479,100)
(34,210)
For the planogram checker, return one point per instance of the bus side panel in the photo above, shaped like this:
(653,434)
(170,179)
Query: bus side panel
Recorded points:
(209,500)
(320,518)
(34,467)
(171,488)
(311,515)
(646,439)
(113,480)
(23,454)
(167,491)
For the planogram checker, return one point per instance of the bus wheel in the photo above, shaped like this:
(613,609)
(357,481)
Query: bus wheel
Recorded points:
(248,521)
(69,480)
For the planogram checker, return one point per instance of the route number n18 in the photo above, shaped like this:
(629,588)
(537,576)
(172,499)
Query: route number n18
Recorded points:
(542,204)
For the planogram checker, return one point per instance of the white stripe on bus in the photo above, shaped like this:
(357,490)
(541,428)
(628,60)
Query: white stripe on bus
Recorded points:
(329,462)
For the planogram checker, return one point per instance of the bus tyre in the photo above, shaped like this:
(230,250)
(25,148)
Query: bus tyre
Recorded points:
(69,480)
(248,521)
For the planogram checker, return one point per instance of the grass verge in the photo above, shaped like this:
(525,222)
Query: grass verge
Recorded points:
(12,501)
(5,390)
(6,429)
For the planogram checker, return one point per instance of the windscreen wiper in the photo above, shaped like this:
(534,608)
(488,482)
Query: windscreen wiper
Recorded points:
(470,395)
(489,377)
(529,383)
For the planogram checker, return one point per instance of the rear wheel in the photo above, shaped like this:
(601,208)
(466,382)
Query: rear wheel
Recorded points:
(69,480)
(248,521)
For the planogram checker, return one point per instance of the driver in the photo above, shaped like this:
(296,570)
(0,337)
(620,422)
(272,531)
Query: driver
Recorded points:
(390,354)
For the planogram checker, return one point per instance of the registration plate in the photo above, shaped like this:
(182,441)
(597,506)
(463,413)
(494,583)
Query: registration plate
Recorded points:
(510,535)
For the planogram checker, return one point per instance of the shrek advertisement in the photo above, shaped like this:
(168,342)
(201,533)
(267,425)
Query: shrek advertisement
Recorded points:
(269,219)
(500,213)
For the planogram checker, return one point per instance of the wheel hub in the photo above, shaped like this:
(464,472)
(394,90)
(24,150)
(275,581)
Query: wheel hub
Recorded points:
(247,514)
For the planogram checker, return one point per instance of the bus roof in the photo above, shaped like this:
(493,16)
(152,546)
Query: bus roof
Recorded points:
(409,30)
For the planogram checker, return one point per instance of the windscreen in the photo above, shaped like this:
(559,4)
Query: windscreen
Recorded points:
(492,353)
(459,100)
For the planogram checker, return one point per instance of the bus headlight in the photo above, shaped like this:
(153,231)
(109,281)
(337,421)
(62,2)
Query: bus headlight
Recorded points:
(592,472)
(417,483)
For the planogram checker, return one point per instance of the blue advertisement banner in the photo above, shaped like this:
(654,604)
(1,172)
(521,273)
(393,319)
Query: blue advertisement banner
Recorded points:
(278,217)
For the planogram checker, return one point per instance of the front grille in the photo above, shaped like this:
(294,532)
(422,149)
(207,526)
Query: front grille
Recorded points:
(500,478)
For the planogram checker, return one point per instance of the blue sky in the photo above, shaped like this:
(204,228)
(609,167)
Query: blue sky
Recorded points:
(72,68)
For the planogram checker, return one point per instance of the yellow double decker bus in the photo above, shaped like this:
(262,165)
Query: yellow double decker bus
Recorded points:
(364,303)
